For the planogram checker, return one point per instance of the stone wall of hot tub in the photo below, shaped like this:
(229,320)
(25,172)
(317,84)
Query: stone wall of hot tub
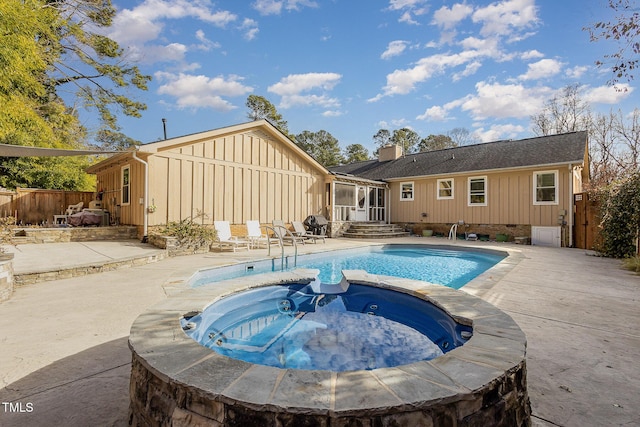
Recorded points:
(177,382)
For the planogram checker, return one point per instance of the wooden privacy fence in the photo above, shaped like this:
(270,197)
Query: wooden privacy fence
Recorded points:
(37,207)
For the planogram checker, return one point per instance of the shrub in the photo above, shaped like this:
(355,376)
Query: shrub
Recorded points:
(620,214)
(632,263)
(190,233)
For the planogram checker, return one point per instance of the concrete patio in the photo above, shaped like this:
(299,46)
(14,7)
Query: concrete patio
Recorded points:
(65,359)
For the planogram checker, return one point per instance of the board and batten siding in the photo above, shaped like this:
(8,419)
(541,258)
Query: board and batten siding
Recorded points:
(509,200)
(234,178)
(109,179)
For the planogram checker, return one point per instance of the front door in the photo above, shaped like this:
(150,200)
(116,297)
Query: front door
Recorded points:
(361,203)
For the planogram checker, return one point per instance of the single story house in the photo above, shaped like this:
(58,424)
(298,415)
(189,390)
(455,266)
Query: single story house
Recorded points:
(252,171)
(520,188)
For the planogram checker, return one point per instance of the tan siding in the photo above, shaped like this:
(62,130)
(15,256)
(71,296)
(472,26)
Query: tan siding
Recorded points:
(509,196)
(233,177)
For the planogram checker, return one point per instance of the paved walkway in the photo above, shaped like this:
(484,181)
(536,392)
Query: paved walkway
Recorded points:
(64,358)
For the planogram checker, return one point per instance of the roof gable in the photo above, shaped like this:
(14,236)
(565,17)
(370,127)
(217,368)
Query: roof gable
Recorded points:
(260,128)
(541,151)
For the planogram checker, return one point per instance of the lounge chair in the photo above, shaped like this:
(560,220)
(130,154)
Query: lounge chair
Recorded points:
(73,209)
(225,238)
(256,237)
(301,231)
(286,236)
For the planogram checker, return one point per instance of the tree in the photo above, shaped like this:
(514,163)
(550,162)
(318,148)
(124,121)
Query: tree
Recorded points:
(625,29)
(260,108)
(614,138)
(382,138)
(566,112)
(111,140)
(355,153)
(48,48)
(322,146)
(406,138)
(462,136)
(436,142)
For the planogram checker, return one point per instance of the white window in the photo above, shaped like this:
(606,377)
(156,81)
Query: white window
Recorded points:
(546,188)
(445,189)
(126,185)
(478,191)
(406,191)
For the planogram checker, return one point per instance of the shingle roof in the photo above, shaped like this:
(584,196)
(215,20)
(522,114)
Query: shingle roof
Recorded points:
(544,150)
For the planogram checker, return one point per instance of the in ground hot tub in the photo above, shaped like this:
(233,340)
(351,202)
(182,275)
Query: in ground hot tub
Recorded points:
(195,356)
(345,327)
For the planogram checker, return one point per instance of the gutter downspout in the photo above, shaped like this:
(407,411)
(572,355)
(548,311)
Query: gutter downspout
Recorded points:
(571,202)
(145,227)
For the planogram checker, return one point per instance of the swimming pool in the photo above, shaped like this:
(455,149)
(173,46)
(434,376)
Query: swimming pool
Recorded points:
(434,264)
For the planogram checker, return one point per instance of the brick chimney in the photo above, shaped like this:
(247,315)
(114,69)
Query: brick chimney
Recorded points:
(389,152)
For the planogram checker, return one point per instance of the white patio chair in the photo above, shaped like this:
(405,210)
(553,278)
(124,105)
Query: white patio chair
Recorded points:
(301,231)
(256,237)
(225,238)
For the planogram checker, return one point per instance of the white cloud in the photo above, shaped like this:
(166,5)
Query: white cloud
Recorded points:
(506,18)
(138,27)
(448,18)
(607,94)
(275,7)
(531,54)
(250,27)
(500,101)
(469,70)
(499,132)
(542,69)
(199,91)
(401,82)
(394,48)
(205,44)
(409,9)
(577,71)
(292,87)
(332,113)
(434,114)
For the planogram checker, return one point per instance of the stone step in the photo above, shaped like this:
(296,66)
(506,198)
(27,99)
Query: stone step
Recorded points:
(374,230)
(375,235)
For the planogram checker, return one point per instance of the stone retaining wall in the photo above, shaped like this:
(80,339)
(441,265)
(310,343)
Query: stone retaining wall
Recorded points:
(511,230)
(74,234)
(6,279)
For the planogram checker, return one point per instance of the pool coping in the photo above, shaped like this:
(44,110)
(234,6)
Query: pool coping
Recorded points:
(495,352)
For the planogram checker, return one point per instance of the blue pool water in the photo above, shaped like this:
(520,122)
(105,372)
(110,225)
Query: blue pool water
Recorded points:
(293,326)
(452,268)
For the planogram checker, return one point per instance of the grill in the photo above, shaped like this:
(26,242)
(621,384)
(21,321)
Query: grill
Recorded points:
(316,224)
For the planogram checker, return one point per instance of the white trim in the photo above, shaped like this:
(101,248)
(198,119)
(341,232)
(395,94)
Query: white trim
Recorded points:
(122,185)
(486,190)
(438,196)
(413,190)
(555,200)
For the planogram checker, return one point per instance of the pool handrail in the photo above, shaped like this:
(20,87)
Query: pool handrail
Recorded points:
(281,242)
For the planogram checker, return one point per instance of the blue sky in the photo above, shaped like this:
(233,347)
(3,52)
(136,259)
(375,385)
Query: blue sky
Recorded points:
(352,67)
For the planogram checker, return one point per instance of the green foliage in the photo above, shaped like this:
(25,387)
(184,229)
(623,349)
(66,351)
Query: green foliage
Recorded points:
(190,233)
(406,138)
(355,153)
(51,46)
(322,146)
(261,108)
(620,212)
(632,263)
(436,142)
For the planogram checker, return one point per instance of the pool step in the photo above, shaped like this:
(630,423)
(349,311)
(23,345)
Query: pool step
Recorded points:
(374,230)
